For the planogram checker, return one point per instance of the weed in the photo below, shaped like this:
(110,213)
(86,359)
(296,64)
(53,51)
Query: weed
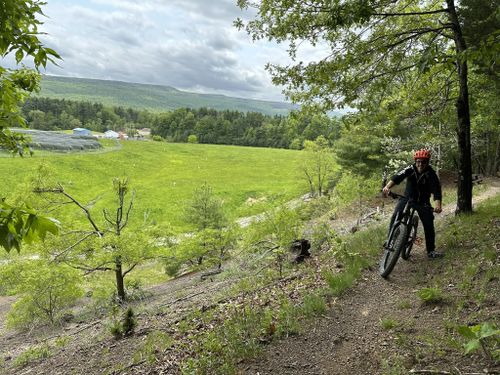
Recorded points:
(288,320)
(485,336)
(32,354)
(388,323)
(339,282)
(404,304)
(62,341)
(394,366)
(313,305)
(430,295)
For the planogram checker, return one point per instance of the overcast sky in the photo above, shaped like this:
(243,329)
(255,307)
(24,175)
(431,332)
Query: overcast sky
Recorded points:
(188,44)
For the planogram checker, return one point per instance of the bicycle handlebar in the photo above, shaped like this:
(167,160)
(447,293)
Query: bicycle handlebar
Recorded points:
(395,195)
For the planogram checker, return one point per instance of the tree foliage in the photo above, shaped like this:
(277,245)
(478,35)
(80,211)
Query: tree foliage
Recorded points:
(19,36)
(22,223)
(370,46)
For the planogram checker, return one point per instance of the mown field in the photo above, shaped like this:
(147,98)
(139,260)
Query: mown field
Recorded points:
(164,176)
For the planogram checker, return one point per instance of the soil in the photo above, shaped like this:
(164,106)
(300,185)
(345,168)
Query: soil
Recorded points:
(348,339)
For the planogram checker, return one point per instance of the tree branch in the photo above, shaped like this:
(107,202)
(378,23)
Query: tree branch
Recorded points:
(411,13)
(60,190)
(130,269)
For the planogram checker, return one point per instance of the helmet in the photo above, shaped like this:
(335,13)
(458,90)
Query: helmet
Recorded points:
(422,154)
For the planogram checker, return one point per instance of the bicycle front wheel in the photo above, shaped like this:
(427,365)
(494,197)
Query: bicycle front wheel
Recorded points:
(392,250)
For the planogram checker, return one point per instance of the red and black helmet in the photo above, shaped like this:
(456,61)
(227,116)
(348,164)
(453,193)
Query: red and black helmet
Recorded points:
(422,154)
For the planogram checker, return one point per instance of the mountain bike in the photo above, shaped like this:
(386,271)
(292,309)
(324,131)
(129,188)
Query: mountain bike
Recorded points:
(401,237)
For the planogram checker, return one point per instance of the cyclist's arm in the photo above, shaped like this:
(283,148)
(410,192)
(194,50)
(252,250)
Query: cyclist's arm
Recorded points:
(397,179)
(387,188)
(438,206)
(437,193)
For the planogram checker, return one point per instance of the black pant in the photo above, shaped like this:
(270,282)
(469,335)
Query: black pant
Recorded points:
(426,215)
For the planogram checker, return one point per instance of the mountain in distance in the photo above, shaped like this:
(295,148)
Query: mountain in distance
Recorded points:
(155,98)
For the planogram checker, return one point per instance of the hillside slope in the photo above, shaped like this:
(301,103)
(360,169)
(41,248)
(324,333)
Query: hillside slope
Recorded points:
(377,327)
(153,97)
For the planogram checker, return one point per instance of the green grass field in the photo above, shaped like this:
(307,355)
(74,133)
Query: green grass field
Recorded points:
(164,176)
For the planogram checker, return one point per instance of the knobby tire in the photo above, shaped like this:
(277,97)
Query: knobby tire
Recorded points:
(396,244)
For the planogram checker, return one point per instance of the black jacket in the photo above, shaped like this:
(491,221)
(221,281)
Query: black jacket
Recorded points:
(419,186)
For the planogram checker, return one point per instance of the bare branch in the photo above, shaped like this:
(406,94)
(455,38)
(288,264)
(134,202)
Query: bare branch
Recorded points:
(60,190)
(130,269)
(71,247)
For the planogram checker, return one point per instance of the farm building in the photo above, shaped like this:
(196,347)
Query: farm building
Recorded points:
(81,131)
(144,132)
(111,134)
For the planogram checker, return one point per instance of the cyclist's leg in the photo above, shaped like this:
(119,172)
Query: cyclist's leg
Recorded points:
(427,218)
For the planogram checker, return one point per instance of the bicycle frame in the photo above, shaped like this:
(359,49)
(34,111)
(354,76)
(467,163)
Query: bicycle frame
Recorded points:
(404,217)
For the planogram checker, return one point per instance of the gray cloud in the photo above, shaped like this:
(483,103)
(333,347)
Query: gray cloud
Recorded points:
(187,44)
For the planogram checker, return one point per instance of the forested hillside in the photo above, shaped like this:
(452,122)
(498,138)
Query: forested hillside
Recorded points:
(155,98)
(206,125)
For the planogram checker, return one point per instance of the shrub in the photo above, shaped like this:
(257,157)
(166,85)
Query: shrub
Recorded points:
(192,139)
(123,326)
(158,138)
(45,291)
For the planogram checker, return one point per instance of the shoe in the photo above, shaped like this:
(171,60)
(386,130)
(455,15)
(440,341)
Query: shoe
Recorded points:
(434,255)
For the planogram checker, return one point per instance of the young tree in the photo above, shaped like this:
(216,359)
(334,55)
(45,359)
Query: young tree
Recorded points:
(205,209)
(44,291)
(105,248)
(370,44)
(206,213)
(318,165)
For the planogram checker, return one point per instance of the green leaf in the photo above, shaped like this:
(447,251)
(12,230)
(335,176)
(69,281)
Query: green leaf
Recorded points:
(466,332)
(19,55)
(471,346)
(488,330)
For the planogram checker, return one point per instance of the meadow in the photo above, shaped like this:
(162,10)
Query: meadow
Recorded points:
(164,176)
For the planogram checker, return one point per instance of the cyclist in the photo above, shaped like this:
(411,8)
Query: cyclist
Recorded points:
(421,182)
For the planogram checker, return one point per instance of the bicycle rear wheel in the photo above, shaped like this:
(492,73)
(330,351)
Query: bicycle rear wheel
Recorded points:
(405,254)
(392,250)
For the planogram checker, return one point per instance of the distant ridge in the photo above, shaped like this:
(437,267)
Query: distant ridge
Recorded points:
(152,97)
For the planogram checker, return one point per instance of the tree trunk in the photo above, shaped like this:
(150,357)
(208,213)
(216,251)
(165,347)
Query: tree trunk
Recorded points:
(464,188)
(120,285)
